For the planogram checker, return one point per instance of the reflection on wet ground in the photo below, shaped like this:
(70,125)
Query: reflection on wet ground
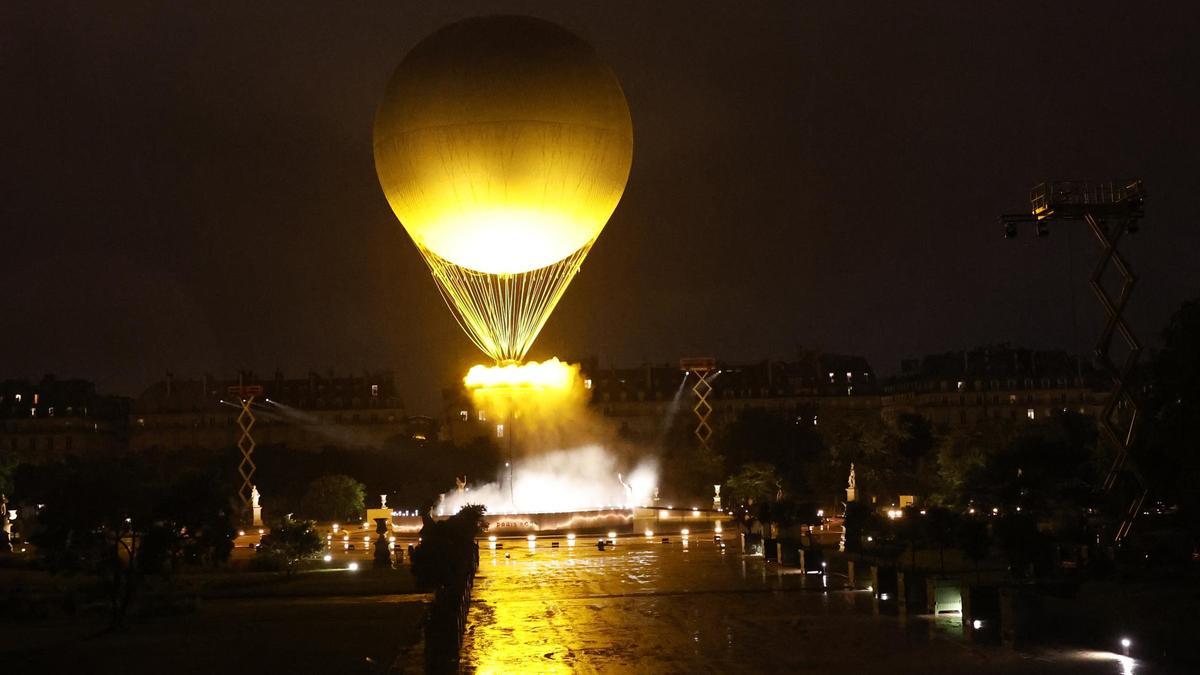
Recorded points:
(645,606)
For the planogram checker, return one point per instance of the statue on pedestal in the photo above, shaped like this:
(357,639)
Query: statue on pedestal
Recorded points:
(383,554)
(851,487)
(255,507)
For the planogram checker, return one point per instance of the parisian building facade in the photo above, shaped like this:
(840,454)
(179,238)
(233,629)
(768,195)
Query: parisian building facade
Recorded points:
(949,390)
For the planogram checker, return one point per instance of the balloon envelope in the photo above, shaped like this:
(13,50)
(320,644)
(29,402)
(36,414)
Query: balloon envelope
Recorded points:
(503,144)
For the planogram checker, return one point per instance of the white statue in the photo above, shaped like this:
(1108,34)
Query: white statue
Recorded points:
(851,487)
(716,497)
(383,501)
(460,484)
(255,509)
(628,490)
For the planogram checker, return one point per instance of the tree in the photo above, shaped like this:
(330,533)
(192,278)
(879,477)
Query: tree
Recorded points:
(289,543)
(334,497)
(860,519)
(1172,404)
(974,541)
(8,468)
(756,482)
(941,526)
(448,553)
(869,443)
(124,520)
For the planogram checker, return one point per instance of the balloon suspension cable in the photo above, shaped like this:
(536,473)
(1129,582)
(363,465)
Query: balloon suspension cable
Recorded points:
(503,313)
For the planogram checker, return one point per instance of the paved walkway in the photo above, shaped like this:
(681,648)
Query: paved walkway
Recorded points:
(663,608)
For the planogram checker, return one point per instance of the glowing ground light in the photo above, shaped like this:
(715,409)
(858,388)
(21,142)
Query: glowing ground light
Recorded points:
(353,567)
(328,558)
(1126,643)
(649,533)
(684,532)
(976,624)
(612,534)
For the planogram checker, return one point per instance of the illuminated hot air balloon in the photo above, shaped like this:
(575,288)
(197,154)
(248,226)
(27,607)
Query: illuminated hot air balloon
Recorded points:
(503,145)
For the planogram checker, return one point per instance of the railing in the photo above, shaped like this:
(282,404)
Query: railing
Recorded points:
(1047,198)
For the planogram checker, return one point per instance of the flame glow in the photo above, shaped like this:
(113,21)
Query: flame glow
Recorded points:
(550,374)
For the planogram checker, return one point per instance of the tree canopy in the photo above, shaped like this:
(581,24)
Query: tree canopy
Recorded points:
(334,497)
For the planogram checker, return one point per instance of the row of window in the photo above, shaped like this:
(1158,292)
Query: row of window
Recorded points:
(48,443)
(965,418)
(978,385)
(1011,399)
(211,421)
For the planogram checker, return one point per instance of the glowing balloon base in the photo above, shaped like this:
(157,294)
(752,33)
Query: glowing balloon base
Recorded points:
(551,374)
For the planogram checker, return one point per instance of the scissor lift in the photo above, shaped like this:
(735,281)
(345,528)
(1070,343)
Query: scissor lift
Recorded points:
(1111,209)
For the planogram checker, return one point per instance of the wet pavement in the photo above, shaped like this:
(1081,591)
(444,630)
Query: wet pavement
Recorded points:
(645,606)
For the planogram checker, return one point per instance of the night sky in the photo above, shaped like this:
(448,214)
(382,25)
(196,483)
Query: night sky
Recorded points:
(190,186)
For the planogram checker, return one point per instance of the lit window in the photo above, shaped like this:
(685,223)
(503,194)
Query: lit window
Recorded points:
(499,431)
(33,412)
(1031,413)
(51,411)
(375,390)
(849,375)
(831,377)
(18,398)
(960,385)
(464,415)
(587,384)
(482,416)
(35,398)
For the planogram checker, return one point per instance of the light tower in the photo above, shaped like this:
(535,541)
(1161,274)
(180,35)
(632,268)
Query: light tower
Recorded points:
(1110,209)
(701,367)
(244,394)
